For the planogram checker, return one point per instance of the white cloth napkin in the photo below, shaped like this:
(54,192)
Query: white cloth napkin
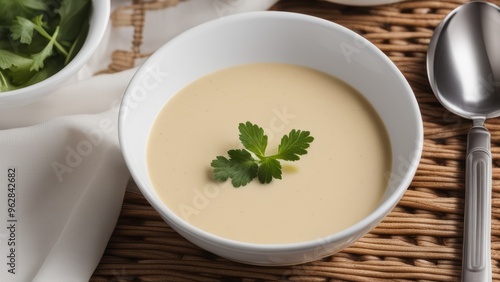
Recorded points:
(62,175)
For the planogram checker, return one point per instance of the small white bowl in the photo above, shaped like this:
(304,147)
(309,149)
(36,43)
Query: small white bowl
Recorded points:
(273,37)
(98,23)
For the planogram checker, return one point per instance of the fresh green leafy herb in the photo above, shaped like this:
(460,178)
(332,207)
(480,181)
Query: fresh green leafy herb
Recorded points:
(242,167)
(38,38)
(10,9)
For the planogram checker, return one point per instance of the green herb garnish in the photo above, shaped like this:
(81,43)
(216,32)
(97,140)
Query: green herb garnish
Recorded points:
(244,165)
(38,38)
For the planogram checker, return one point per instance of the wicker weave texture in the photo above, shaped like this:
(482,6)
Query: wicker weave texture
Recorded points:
(420,240)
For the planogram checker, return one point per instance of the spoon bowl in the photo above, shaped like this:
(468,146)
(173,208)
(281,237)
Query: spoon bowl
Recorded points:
(464,61)
(463,66)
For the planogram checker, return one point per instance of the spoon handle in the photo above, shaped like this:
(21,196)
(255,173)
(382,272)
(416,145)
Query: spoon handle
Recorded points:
(476,264)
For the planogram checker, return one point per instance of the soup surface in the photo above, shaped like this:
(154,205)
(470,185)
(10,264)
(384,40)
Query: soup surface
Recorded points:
(339,182)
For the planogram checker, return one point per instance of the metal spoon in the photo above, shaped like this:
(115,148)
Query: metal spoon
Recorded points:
(463,66)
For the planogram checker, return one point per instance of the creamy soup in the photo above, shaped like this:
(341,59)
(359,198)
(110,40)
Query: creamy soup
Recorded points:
(340,181)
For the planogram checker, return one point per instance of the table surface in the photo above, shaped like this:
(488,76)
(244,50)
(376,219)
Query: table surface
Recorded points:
(421,239)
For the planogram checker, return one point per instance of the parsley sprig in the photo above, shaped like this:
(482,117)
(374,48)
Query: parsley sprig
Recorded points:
(244,165)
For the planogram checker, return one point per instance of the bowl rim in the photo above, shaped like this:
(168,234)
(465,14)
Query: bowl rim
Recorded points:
(97,29)
(373,218)
(364,2)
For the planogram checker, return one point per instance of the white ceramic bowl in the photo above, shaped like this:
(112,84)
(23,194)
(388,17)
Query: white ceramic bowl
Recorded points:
(273,37)
(98,24)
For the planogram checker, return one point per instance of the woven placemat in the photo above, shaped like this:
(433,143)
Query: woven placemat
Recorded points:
(420,240)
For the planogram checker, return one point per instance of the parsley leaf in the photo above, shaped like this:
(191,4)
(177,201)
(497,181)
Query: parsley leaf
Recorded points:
(22,30)
(10,9)
(269,168)
(253,139)
(73,13)
(242,167)
(40,57)
(9,59)
(294,145)
(4,83)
